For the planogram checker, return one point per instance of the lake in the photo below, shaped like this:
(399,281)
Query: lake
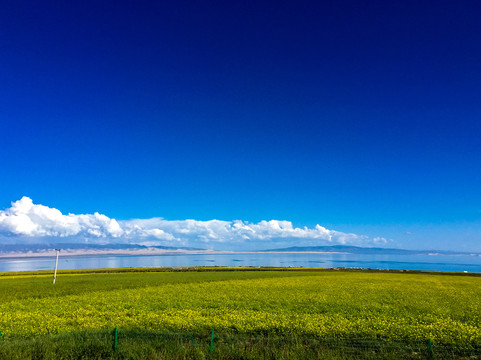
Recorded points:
(397,262)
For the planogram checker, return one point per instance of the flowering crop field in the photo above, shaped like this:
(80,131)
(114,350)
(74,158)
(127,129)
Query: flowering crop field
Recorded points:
(325,304)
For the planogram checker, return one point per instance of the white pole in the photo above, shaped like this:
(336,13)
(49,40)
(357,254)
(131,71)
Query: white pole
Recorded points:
(56,265)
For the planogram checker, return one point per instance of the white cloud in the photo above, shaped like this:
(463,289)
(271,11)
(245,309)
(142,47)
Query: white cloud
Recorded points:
(26,220)
(380,240)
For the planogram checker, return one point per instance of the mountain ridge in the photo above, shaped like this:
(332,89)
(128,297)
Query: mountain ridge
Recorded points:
(367,250)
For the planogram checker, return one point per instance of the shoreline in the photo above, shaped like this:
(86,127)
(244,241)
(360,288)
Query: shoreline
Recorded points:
(159,252)
(145,252)
(229,269)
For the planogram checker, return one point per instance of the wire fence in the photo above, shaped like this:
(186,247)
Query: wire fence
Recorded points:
(149,344)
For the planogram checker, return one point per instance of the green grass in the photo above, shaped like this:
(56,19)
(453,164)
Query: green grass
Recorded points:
(299,308)
(137,344)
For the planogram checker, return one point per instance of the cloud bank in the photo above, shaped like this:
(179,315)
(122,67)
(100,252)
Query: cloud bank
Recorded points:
(26,222)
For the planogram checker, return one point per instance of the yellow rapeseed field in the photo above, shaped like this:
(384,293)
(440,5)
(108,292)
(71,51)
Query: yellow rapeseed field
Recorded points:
(444,308)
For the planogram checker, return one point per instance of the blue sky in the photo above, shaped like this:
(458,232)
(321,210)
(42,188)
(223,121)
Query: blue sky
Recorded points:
(363,118)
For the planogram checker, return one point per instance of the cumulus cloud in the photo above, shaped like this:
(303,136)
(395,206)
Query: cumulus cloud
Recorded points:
(26,220)
(237,231)
(380,240)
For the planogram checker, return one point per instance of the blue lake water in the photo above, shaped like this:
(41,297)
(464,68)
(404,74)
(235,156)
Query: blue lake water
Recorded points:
(397,262)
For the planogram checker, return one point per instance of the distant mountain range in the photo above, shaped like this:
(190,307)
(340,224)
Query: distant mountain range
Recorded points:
(8,248)
(366,250)
(46,249)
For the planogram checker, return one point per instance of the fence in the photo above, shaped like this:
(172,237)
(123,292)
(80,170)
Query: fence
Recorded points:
(143,344)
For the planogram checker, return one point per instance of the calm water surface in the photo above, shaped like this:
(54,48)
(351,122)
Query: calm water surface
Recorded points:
(398,262)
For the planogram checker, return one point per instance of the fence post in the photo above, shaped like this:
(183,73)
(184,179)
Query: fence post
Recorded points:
(212,341)
(115,339)
(193,340)
(430,349)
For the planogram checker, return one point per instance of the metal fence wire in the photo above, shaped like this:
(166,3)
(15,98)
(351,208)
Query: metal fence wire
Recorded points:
(372,348)
(210,343)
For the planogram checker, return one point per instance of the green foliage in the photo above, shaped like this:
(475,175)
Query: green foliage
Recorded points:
(392,306)
(141,344)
